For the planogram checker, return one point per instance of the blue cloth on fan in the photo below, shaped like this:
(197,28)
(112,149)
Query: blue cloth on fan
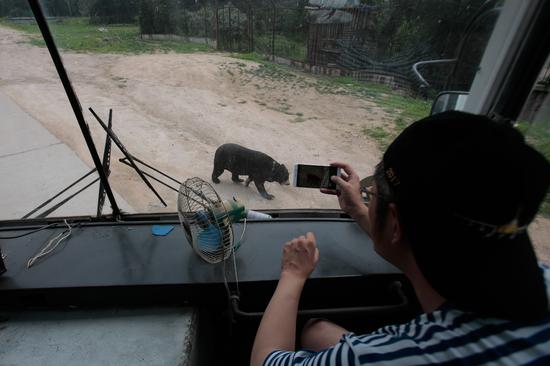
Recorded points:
(210,239)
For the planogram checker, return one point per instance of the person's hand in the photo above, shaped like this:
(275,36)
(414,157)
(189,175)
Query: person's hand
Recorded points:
(348,190)
(300,256)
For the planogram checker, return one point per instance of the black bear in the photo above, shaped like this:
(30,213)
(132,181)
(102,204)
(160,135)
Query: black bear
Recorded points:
(258,166)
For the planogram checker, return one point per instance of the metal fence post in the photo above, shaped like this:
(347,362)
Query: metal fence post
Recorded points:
(239,29)
(230,32)
(205,26)
(217,26)
(273,32)
(250,29)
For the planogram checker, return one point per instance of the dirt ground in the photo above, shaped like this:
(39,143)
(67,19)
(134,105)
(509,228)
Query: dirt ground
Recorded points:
(174,110)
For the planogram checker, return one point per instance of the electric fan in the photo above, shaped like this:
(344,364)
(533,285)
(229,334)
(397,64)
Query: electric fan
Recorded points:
(207,220)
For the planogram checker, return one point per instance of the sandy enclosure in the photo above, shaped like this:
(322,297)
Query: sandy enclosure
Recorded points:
(174,110)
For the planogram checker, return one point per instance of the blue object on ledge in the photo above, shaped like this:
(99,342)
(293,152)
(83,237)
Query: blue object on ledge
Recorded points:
(162,230)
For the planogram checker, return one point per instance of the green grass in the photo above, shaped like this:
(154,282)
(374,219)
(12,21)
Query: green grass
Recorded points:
(381,135)
(252,56)
(401,110)
(77,34)
(538,136)
(266,69)
(284,47)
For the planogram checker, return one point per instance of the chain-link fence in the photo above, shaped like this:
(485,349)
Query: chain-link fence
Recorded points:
(266,29)
(376,40)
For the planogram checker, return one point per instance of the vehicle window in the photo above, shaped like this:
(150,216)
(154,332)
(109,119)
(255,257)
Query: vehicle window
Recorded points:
(41,148)
(534,122)
(285,82)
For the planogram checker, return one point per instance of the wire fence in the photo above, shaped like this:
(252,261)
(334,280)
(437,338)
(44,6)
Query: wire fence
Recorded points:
(387,41)
(380,41)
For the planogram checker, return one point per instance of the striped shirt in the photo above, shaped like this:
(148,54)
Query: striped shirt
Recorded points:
(446,336)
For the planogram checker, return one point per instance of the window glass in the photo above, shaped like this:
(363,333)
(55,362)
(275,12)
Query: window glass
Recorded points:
(42,151)
(285,82)
(534,122)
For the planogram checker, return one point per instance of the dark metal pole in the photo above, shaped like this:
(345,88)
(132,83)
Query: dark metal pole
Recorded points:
(205,25)
(123,160)
(106,165)
(230,32)
(251,28)
(217,26)
(52,209)
(150,176)
(73,99)
(60,193)
(273,32)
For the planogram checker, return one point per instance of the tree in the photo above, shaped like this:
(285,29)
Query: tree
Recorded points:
(157,16)
(114,11)
(14,8)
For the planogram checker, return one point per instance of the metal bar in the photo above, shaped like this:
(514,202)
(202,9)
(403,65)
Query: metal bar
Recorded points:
(356,310)
(60,193)
(421,63)
(205,25)
(106,165)
(273,32)
(124,161)
(217,25)
(230,31)
(114,137)
(73,99)
(250,29)
(50,210)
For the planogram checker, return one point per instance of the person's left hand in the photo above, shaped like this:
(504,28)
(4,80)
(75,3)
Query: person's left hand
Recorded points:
(300,256)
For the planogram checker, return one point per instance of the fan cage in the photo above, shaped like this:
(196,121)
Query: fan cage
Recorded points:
(205,220)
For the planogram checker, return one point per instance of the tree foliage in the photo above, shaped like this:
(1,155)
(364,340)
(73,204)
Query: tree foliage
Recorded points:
(113,11)
(432,25)
(53,8)
(157,16)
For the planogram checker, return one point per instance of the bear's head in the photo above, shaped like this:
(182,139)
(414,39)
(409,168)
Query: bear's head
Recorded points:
(280,174)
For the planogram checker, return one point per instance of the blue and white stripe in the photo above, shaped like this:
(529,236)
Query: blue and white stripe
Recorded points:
(447,337)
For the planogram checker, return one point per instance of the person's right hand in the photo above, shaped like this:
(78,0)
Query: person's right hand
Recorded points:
(348,190)
(300,256)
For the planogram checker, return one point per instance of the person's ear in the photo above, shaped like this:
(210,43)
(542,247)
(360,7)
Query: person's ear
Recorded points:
(394,225)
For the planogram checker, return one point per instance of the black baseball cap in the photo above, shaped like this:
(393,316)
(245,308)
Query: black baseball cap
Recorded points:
(466,189)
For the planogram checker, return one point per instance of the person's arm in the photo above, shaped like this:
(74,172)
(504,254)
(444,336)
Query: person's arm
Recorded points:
(362,218)
(349,195)
(277,330)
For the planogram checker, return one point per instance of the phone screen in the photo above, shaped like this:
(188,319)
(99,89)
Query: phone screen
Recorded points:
(315,176)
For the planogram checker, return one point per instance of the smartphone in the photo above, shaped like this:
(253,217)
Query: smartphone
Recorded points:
(314,176)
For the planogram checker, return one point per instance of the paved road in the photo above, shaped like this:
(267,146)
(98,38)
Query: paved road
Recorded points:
(35,165)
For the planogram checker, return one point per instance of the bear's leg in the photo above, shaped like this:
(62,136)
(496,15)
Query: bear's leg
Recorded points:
(235,178)
(216,173)
(262,191)
(248,180)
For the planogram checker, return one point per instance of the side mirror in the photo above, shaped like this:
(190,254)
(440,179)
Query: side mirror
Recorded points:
(449,101)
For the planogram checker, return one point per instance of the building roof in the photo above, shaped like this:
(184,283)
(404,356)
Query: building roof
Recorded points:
(334,4)
(325,16)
